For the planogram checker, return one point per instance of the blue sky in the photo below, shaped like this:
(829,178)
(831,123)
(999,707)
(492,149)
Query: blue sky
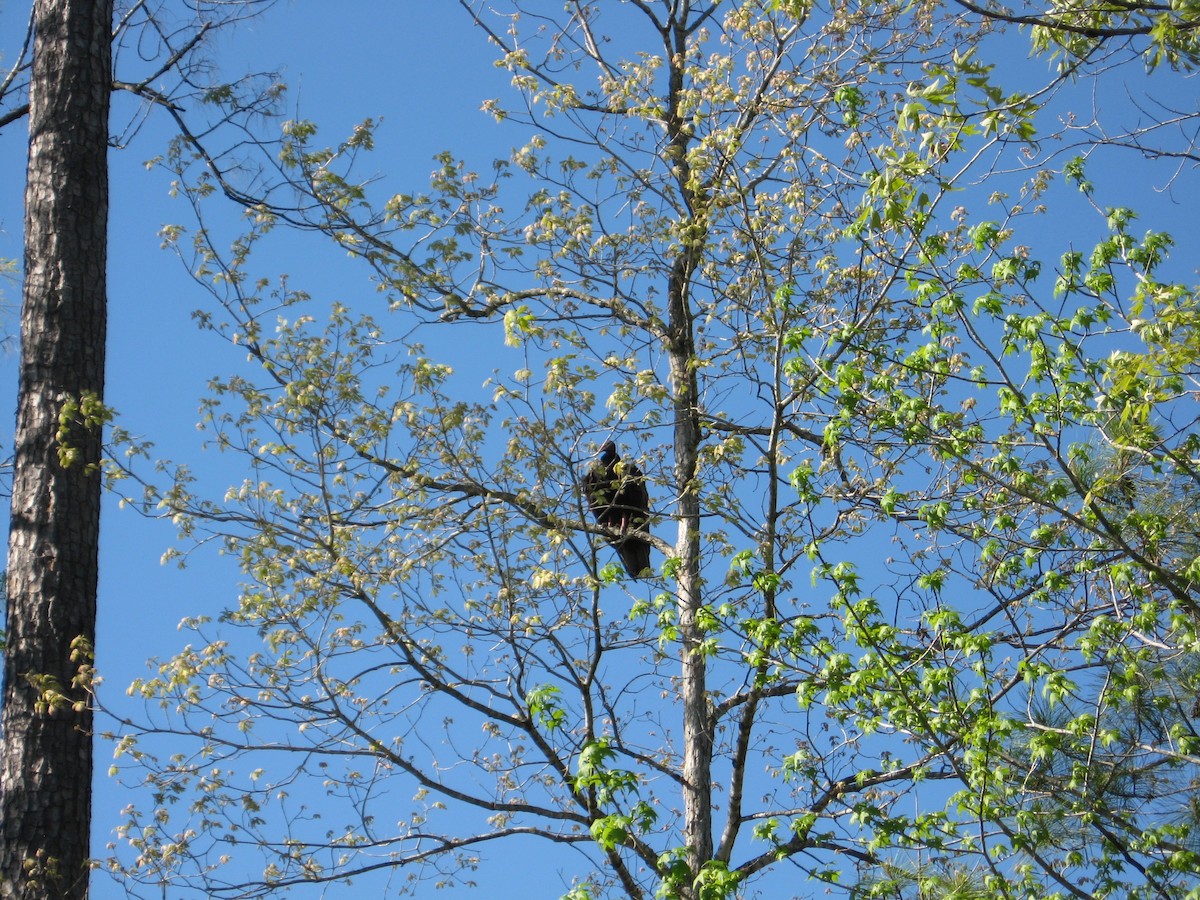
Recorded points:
(417,65)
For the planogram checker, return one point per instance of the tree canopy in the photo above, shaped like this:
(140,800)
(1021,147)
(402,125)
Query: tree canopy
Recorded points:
(923,617)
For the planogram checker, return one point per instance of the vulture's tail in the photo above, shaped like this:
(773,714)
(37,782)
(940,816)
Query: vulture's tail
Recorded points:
(635,554)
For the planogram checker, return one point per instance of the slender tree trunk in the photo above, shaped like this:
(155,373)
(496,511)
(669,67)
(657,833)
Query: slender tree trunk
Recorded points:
(46,762)
(681,348)
(697,716)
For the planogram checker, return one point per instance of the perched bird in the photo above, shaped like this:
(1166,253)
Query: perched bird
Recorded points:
(617,496)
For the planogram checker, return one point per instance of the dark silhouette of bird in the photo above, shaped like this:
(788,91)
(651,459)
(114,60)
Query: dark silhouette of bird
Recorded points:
(617,496)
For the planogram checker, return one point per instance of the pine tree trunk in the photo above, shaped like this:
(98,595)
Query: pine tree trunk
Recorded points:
(46,762)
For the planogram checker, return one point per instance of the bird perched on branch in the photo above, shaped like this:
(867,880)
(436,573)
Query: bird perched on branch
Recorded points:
(617,496)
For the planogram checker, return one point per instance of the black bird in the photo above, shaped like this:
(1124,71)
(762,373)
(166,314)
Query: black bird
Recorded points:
(616,494)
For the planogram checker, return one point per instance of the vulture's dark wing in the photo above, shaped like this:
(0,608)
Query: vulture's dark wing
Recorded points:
(617,496)
(599,485)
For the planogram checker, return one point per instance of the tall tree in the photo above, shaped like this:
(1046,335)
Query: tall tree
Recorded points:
(46,762)
(424,569)
(760,268)
(64,88)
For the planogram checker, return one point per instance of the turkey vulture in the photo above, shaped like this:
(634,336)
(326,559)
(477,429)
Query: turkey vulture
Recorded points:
(616,494)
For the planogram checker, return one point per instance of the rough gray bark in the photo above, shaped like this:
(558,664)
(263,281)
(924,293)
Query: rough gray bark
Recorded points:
(46,764)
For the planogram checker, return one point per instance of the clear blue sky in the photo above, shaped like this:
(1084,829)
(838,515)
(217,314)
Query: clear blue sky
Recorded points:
(419,66)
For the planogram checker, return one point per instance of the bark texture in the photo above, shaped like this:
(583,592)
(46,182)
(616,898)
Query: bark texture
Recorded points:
(46,765)
(681,349)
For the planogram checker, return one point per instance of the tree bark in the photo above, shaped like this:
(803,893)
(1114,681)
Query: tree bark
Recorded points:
(681,350)
(46,760)
(697,714)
